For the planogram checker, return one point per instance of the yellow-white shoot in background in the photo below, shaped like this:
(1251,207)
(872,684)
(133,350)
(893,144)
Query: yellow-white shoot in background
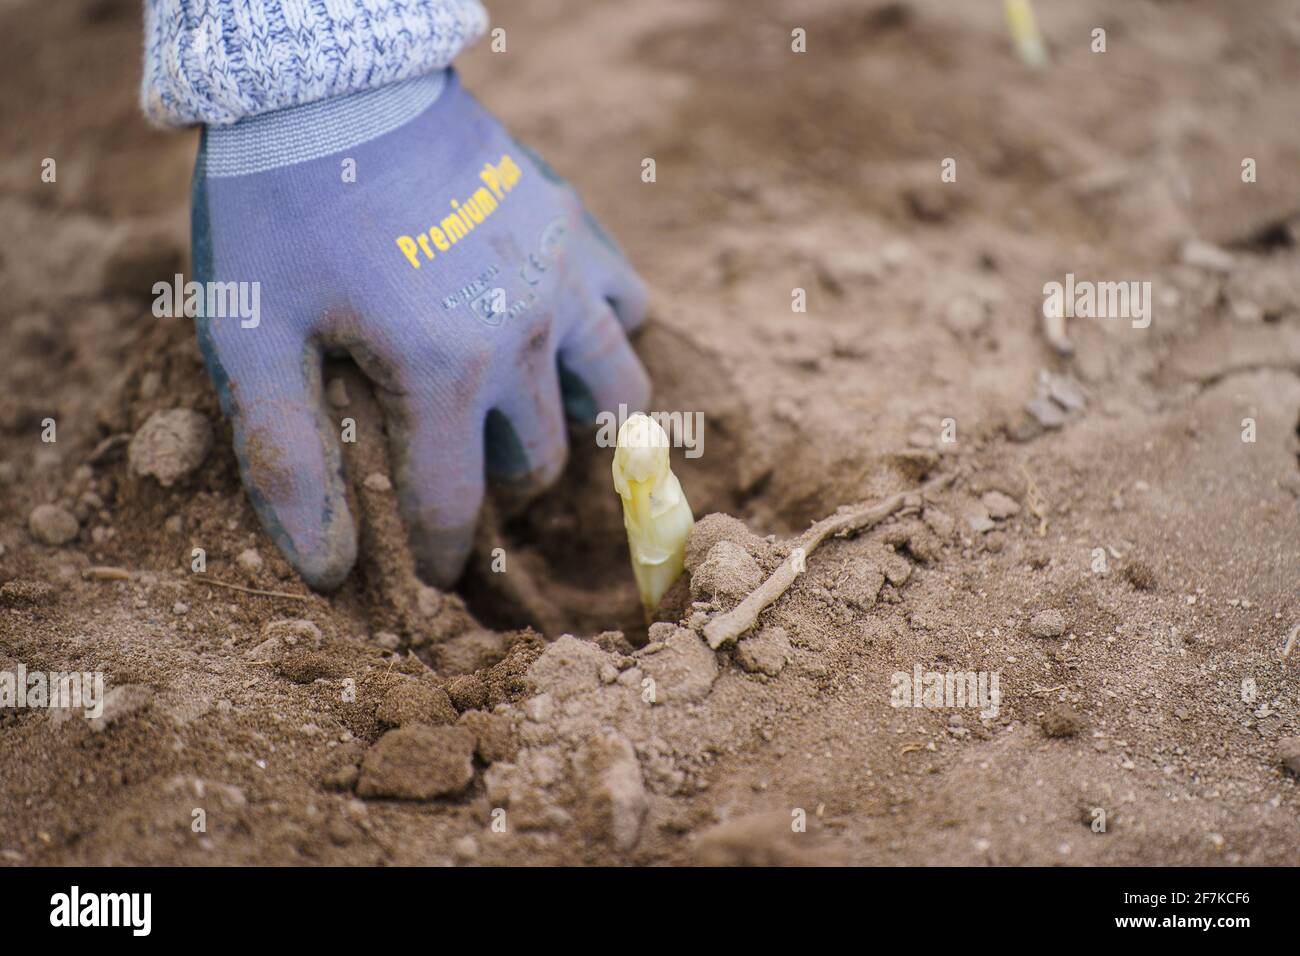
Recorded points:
(655,511)
(1024,32)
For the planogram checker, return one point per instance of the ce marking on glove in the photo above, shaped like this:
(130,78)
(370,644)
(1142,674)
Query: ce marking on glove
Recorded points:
(549,246)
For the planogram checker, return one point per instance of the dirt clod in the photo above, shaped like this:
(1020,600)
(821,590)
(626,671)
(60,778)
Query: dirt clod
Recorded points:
(415,702)
(1000,506)
(728,571)
(1140,575)
(1048,623)
(860,585)
(294,631)
(170,445)
(19,593)
(614,798)
(767,652)
(494,735)
(940,522)
(684,669)
(714,528)
(470,652)
(467,692)
(418,762)
(341,779)
(53,525)
(1062,721)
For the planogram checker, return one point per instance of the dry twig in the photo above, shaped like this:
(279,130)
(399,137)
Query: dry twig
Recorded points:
(1290,641)
(727,627)
(258,591)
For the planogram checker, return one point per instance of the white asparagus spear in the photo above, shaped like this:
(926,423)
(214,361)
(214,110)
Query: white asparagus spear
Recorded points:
(655,512)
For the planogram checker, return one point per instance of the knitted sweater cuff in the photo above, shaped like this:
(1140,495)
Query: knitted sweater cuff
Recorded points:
(220,61)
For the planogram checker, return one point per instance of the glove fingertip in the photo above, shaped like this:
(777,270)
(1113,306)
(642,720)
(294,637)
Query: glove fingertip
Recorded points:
(325,569)
(441,555)
(325,562)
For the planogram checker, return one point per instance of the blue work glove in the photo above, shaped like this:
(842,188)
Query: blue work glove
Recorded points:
(404,227)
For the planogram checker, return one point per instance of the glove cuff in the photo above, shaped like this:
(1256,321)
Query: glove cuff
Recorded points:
(302,133)
(221,61)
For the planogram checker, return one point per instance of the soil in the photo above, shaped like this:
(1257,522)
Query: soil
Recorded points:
(1119,543)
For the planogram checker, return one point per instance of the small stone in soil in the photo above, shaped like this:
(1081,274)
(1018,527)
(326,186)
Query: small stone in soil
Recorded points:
(1065,392)
(170,445)
(977,517)
(1203,255)
(1046,412)
(1049,623)
(1000,506)
(52,525)
(249,561)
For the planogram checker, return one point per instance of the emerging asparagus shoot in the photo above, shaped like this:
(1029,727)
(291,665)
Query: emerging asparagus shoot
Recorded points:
(655,512)
(1024,32)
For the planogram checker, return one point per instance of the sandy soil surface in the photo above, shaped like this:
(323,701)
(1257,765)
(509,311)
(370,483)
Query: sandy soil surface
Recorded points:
(1108,544)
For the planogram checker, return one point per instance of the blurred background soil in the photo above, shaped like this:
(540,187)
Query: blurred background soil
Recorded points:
(1105,482)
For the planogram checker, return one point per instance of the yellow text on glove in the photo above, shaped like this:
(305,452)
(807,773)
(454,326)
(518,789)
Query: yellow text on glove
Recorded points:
(498,179)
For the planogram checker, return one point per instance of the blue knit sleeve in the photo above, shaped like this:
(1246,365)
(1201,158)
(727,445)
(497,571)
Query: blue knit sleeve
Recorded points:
(219,61)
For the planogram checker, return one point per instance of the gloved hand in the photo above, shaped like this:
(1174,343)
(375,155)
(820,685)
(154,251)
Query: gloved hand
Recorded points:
(463,277)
